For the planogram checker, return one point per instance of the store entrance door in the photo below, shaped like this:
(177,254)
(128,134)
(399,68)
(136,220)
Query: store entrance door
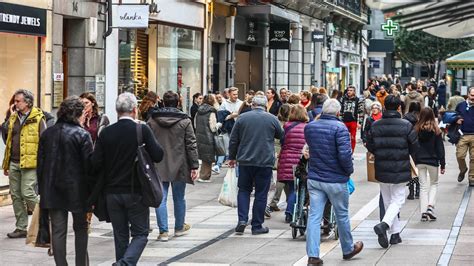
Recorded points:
(248,69)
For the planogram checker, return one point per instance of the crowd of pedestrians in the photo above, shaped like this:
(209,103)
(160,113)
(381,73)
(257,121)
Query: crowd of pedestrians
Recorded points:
(264,132)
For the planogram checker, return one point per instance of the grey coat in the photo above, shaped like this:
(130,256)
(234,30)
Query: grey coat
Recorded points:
(173,129)
(252,141)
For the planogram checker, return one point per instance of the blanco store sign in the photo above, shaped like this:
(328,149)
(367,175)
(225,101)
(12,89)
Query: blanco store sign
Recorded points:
(130,16)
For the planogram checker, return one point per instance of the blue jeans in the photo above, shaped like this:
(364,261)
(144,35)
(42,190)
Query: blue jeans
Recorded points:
(248,177)
(220,160)
(129,217)
(291,197)
(338,194)
(179,203)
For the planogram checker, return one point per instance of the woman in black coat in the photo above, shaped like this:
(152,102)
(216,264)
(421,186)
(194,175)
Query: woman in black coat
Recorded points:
(62,178)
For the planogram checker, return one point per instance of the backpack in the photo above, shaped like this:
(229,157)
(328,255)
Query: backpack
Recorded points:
(145,171)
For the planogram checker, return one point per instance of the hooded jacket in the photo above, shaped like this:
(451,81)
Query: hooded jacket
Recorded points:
(431,151)
(173,129)
(413,96)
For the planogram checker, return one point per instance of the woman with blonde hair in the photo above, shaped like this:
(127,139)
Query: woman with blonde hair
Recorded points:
(322,90)
(429,158)
(290,154)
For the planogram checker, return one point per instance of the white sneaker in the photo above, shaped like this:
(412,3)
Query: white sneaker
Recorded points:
(216,169)
(204,180)
(163,237)
(183,231)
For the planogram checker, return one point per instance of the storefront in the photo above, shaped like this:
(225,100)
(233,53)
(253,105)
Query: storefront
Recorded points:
(23,60)
(168,55)
(21,31)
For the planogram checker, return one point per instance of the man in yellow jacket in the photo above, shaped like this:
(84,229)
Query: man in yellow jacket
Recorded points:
(25,126)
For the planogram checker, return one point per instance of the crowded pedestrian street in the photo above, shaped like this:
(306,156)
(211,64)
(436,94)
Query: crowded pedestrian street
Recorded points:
(212,240)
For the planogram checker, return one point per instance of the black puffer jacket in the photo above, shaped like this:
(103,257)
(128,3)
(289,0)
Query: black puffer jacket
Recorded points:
(204,135)
(63,154)
(431,151)
(392,140)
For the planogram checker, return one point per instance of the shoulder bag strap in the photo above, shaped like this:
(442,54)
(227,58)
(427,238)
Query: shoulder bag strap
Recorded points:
(139,134)
(139,141)
(290,127)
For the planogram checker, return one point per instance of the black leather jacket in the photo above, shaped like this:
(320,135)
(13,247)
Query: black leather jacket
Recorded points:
(63,155)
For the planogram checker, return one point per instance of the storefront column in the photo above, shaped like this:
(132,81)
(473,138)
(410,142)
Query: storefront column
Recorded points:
(296,57)
(111,74)
(280,68)
(308,56)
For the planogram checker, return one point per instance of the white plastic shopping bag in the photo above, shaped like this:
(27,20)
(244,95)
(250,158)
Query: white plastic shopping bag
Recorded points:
(228,195)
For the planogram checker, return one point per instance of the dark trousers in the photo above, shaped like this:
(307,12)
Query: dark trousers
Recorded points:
(59,232)
(129,217)
(248,177)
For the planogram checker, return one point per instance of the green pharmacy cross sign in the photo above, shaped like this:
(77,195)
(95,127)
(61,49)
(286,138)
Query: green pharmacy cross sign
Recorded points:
(390,27)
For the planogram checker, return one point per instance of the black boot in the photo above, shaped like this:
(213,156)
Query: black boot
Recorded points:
(395,239)
(417,188)
(381,231)
(411,195)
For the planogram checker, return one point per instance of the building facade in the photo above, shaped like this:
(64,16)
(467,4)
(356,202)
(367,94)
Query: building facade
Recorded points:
(325,45)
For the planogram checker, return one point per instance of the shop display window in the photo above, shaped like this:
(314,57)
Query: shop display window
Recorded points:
(179,59)
(18,67)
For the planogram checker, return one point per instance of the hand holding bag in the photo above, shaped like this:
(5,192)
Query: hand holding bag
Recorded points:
(229,189)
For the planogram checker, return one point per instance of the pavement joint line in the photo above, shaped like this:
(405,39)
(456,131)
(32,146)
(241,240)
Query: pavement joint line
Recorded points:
(198,248)
(448,250)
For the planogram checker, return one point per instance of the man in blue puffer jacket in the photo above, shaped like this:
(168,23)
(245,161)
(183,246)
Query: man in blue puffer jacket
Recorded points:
(330,166)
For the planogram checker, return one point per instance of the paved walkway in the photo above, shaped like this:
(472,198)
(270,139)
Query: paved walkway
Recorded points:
(211,240)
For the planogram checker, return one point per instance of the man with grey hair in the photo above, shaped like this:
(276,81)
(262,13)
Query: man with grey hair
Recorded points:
(115,152)
(330,166)
(25,125)
(252,146)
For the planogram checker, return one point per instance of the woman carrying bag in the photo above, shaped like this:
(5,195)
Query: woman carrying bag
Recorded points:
(206,128)
(429,158)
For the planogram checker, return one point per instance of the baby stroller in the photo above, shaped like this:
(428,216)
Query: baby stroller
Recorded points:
(300,210)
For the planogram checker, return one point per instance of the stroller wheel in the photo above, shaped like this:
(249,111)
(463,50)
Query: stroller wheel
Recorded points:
(294,232)
(302,231)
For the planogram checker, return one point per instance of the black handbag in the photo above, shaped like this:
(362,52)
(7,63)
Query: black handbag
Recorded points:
(145,172)
(219,144)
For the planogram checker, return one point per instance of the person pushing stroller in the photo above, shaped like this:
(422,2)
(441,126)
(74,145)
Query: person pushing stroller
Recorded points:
(329,169)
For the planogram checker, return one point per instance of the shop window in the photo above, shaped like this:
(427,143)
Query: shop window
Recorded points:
(179,55)
(133,62)
(18,67)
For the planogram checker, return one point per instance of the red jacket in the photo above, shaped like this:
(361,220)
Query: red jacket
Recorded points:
(291,150)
